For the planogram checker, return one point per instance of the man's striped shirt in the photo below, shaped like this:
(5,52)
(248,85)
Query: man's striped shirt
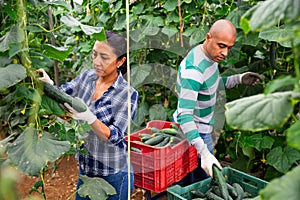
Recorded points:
(197,83)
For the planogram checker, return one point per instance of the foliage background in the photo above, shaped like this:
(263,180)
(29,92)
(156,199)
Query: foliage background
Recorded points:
(58,36)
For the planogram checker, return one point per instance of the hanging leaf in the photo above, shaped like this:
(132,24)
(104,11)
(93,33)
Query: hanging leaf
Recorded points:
(57,53)
(157,112)
(269,12)
(31,151)
(282,159)
(293,135)
(95,188)
(285,187)
(260,112)
(11,75)
(96,32)
(283,36)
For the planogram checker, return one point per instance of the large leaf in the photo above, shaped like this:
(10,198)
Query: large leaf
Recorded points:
(278,83)
(139,74)
(268,13)
(293,135)
(282,159)
(96,32)
(157,112)
(11,75)
(32,150)
(285,187)
(57,53)
(15,35)
(281,35)
(95,188)
(260,112)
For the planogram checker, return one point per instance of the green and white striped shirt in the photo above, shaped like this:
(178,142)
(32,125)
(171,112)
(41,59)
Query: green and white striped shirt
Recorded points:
(197,82)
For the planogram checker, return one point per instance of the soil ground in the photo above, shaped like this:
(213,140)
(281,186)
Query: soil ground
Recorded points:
(60,182)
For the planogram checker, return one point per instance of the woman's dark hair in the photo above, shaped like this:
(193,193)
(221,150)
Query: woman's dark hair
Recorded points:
(118,43)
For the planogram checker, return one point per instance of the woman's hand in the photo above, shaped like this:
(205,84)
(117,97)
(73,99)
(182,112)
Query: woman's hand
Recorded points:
(87,115)
(45,76)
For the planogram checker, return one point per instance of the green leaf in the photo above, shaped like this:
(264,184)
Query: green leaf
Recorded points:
(27,93)
(95,188)
(62,4)
(97,33)
(278,83)
(70,21)
(15,35)
(282,159)
(251,39)
(152,25)
(293,135)
(260,112)
(285,187)
(260,142)
(157,112)
(139,74)
(11,75)
(235,16)
(57,53)
(171,5)
(270,12)
(51,105)
(283,36)
(32,150)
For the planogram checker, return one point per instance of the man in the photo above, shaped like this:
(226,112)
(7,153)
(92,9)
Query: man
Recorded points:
(197,83)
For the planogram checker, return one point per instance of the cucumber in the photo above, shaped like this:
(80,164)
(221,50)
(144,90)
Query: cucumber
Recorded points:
(174,126)
(174,140)
(239,190)
(62,97)
(155,140)
(232,191)
(154,130)
(135,149)
(170,131)
(212,196)
(145,138)
(164,142)
(220,181)
(197,194)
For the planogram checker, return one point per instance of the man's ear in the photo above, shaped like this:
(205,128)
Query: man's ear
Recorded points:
(208,36)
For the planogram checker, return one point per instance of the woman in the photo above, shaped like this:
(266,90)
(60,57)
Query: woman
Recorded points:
(105,92)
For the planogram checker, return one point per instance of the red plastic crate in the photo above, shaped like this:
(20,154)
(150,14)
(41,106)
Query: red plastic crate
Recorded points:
(156,168)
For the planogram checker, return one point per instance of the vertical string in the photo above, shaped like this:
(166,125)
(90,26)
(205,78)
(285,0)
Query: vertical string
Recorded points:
(128,96)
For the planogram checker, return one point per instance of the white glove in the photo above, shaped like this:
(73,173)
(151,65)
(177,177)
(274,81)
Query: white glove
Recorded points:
(87,115)
(207,159)
(45,76)
(250,78)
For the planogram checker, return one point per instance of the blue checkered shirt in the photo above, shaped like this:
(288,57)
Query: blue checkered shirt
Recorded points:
(104,158)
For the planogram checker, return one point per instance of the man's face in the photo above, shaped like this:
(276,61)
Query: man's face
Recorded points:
(219,45)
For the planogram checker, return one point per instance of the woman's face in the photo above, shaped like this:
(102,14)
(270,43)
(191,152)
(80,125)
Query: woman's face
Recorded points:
(105,60)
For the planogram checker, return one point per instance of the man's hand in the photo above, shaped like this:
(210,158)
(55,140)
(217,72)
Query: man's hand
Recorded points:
(45,76)
(207,159)
(250,78)
(87,115)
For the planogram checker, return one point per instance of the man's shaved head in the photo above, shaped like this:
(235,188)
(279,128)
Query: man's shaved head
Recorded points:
(219,40)
(221,26)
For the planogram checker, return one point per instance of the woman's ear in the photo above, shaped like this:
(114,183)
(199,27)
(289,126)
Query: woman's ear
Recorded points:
(121,62)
